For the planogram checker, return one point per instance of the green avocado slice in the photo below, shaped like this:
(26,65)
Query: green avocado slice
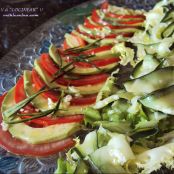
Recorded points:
(93,70)
(39,102)
(38,135)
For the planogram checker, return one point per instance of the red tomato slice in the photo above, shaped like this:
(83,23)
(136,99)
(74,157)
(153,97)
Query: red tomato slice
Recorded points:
(47,121)
(97,18)
(88,24)
(85,80)
(85,100)
(131,22)
(47,65)
(112,36)
(65,45)
(19,90)
(39,83)
(20,147)
(98,63)
(98,49)
(120,16)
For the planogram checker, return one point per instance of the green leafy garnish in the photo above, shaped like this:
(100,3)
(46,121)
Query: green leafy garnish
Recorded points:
(36,115)
(23,103)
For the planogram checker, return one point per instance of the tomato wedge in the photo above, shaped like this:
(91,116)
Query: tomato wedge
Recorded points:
(85,100)
(131,22)
(46,121)
(19,90)
(98,63)
(97,18)
(85,80)
(88,24)
(39,83)
(47,65)
(20,147)
(98,49)
(65,46)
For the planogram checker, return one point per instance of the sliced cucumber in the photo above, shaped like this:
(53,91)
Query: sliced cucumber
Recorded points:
(106,161)
(153,81)
(168,16)
(160,100)
(111,157)
(89,145)
(145,66)
(168,31)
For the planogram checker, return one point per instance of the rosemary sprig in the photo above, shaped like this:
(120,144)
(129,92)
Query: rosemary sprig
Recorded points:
(81,49)
(37,115)
(63,69)
(12,110)
(61,74)
(58,103)
(60,58)
(85,58)
(79,58)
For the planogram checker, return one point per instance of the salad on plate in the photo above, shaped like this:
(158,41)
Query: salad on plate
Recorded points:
(111,81)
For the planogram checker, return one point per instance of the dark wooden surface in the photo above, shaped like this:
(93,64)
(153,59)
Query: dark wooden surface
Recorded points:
(13,29)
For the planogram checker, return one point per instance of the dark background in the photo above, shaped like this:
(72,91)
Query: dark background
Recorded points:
(13,29)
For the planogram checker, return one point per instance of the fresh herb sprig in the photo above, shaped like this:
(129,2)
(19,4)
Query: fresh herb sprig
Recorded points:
(85,58)
(12,110)
(15,108)
(81,49)
(36,115)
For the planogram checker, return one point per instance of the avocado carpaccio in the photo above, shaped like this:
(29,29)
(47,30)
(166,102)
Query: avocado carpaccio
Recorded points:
(44,109)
